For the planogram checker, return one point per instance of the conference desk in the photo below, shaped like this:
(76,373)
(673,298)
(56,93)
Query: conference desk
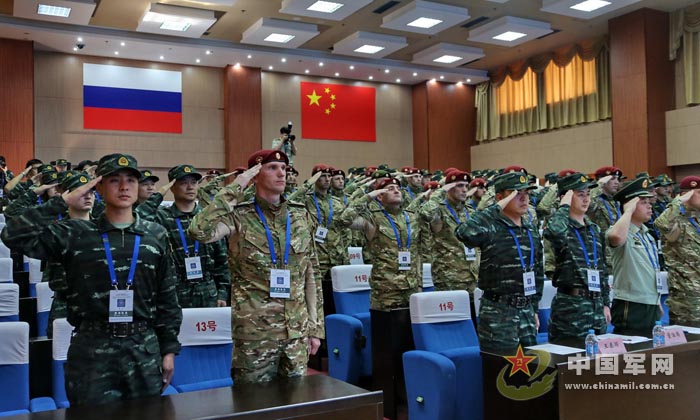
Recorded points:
(310,397)
(555,390)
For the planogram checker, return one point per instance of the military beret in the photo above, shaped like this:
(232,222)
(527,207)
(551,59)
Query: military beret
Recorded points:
(293,170)
(147,175)
(325,169)
(370,170)
(514,168)
(636,188)
(431,185)
(216,172)
(608,170)
(110,164)
(478,182)
(563,173)
(409,170)
(385,182)
(512,181)
(380,174)
(457,176)
(336,172)
(663,180)
(450,169)
(61,162)
(266,156)
(181,171)
(690,183)
(74,181)
(576,181)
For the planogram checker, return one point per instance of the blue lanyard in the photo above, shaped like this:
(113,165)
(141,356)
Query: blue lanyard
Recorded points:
(97,197)
(454,213)
(110,261)
(520,251)
(270,244)
(607,207)
(345,199)
(60,216)
(655,216)
(663,206)
(654,261)
(410,193)
(529,215)
(396,231)
(330,211)
(184,240)
(39,200)
(695,224)
(585,251)
(472,203)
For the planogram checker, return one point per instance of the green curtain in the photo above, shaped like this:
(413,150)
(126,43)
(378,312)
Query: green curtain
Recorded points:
(685,33)
(493,123)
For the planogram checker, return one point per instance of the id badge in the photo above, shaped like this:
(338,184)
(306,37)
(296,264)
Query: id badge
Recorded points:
(355,254)
(193,268)
(321,234)
(470,253)
(404,260)
(662,282)
(529,287)
(593,280)
(121,306)
(280,283)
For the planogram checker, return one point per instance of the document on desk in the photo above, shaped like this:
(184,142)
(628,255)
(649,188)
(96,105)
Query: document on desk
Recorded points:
(627,339)
(556,349)
(689,330)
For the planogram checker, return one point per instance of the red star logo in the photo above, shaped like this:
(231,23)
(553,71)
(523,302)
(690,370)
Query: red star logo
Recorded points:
(520,362)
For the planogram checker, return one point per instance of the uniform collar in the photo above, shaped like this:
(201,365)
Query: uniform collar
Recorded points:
(137,227)
(176,212)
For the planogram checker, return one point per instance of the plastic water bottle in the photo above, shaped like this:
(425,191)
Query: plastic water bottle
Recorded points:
(591,344)
(658,335)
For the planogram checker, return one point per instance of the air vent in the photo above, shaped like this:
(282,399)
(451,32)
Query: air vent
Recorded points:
(475,21)
(386,6)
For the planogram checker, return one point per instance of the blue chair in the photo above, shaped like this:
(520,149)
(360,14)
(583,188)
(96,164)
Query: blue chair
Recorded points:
(545,311)
(204,361)
(6,272)
(14,372)
(442,327)
(9,302)
(62,333)
(428,285)
(4,251)
(35,275)
(348,331)
(44,297)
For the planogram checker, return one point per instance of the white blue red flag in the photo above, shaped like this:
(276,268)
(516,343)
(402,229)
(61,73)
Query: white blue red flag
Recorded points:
(132,99)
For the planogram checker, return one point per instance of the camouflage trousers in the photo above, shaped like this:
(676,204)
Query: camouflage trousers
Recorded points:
(465,282)
(502,327)
(684,309)
(573,316)
(264,360)
(58,310)
(101,369)
(393,299)
(201,294)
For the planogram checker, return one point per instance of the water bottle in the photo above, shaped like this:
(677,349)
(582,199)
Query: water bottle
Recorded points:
(658,334)
(591,344)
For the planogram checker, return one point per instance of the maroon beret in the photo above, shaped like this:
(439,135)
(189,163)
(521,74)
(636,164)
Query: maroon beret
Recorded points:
(478,182)
(608,170)
(409,170)
(370,170)
(566,172)
(690,183)
(336,172)
(457,176)
(514,168)
(432,185)
(319,167)
(266,156)
(385,182)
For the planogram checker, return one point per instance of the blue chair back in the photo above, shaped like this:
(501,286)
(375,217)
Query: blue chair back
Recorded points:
(351,288)
(14,368)
(44,297)
(9,302)
(35,275)
(6,270)
(545,311)
(62,333)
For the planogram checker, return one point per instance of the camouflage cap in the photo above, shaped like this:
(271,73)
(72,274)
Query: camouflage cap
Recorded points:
(663,180)
(74,181)
(576,181)
(147,175)
(49,177)
(61,162)
(636,188)
(517,181)
(181,171)
(45,167)
(110,164)
(551,177)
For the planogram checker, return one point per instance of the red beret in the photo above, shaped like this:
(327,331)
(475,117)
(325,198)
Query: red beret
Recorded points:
(457,176)
(370,170)
(450,169)
(477,182)
(336,172)
(266,156)
(213,172)
(432,185)
(385,182)
(515,168)
(409,170)
(292,169)
(608,170)
(690,183)
(566,172)
(321,168)
(239,170)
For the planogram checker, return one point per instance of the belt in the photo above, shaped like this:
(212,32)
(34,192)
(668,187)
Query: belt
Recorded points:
(115,329)
(512,300)
(575,291)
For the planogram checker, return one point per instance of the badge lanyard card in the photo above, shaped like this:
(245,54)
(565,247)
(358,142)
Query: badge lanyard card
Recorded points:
(121,302)
(529,285)
(661,276)
(193,265)
(280,279)
(404,253)
(322,231)
(469,253)
(592,273)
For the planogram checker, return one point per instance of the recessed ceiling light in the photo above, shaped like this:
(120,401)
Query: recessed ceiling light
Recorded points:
(398,80)
(337,74)
(368,49)
(198,60)
(415,74)
(270,68)
(237,66)
(590,5)
(433,80)
(250,56)
(47,10)
(386,70)
(459,83)
(371,77)
(116,53)
(352,67)
(80,39)
(207,52)
(122,43)
(509,36)
(161,57)
(325,6)
(284,60)
(172,25)
(306,71)
(75,48)
(469,80)
(320,64)
(424,22)
(279,38)
(447,59)
(442,77)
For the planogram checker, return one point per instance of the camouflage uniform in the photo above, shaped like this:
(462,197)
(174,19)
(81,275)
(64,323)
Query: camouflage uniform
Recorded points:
(604,212)
(265,326)
(575,309)
(681,234)
(506,316)
(206,192)
(102,367)
(410,193)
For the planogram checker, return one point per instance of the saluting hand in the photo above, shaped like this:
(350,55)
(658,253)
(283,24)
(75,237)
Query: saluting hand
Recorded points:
(686,196)
(472,191)
(377,193)
(91,170)
(164,189)
(566,199)
(43,188)
(504,202)
(244,179)
(72,198)
(314,178)
(631,205)
(604,180)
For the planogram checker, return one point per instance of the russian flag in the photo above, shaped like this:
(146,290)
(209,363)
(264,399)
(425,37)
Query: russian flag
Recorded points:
(131,99)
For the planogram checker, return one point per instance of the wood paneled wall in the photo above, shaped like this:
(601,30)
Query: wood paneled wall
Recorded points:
(242,114)
(444,125)
(16,102)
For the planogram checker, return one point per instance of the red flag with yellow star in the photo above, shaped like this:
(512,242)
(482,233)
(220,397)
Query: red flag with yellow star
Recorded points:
(337,112)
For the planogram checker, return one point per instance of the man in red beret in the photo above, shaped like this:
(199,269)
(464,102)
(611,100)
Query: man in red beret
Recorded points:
(413,184)
(274,292)
(679,226)
(604,211)
(338,185)
(480,185)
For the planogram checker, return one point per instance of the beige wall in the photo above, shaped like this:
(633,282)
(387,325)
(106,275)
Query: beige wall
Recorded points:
(59,117)
(683,136)
(584,148)
(394,145)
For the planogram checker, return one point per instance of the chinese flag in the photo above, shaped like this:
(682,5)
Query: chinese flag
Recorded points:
(337,112)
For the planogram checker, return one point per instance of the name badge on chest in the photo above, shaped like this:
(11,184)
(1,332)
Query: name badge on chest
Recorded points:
(529,287)
(320,235)
(121,306)
(662,282)
(193,268)
(404,260)
(593,280)
(470,254)
(280,283)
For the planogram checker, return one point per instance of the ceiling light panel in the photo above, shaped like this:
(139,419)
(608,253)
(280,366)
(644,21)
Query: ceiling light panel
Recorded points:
(367,44)
(279,33)
(507,31)
(176,20)
(328,9)
(425,17)
(579,8)
(79,11)
(226,3)
(447,55)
